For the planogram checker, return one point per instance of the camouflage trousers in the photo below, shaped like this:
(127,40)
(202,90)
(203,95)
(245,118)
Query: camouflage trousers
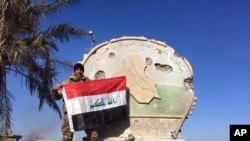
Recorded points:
(92,135)
(67,134)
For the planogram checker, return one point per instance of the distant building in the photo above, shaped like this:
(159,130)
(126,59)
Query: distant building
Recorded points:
(12,137)
(44,140)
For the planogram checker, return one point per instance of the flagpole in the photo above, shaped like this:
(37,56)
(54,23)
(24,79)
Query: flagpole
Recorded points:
(91,35)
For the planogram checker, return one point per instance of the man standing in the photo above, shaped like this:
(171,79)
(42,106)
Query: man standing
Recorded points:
(77,76)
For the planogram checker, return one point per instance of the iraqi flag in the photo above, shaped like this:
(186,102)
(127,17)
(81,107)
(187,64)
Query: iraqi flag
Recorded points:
(97,102)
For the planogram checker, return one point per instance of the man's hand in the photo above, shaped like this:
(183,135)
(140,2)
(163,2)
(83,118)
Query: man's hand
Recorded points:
(58,86)
(55,91)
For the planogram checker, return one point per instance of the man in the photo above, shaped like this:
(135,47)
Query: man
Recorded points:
(77,76)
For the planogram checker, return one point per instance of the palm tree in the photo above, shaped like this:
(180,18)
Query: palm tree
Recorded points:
(27,51)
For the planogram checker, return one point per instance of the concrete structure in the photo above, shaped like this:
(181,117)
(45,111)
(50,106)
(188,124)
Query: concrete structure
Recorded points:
(44,140)
(161,94)
(11,137)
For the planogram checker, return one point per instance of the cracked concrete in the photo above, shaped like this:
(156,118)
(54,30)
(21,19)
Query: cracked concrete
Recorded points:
(159,82)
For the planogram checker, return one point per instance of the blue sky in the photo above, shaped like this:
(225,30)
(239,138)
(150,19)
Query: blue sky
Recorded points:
(213,35)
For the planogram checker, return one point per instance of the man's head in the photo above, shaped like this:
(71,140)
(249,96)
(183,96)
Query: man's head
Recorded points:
(78,69)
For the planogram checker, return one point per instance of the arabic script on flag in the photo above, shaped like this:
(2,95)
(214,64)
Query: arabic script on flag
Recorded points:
(95,102)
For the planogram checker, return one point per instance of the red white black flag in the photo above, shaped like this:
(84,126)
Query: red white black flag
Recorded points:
(93,103)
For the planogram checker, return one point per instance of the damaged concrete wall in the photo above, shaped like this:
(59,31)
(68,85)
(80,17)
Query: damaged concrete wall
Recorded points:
(159,82)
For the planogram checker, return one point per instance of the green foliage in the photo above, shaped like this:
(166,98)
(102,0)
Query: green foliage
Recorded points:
(26,50)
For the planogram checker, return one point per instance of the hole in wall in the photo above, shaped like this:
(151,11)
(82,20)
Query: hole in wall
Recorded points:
(99,74)
(149,61)
(112,55)
(163,67)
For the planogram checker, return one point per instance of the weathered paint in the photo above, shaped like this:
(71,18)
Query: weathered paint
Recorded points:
(174,103)
(159,82)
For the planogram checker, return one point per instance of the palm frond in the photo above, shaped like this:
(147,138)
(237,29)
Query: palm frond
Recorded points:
(64,32)
(5,110)
(50,9)
(26,49)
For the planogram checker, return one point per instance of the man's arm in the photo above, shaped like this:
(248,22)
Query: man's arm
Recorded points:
(57,91)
